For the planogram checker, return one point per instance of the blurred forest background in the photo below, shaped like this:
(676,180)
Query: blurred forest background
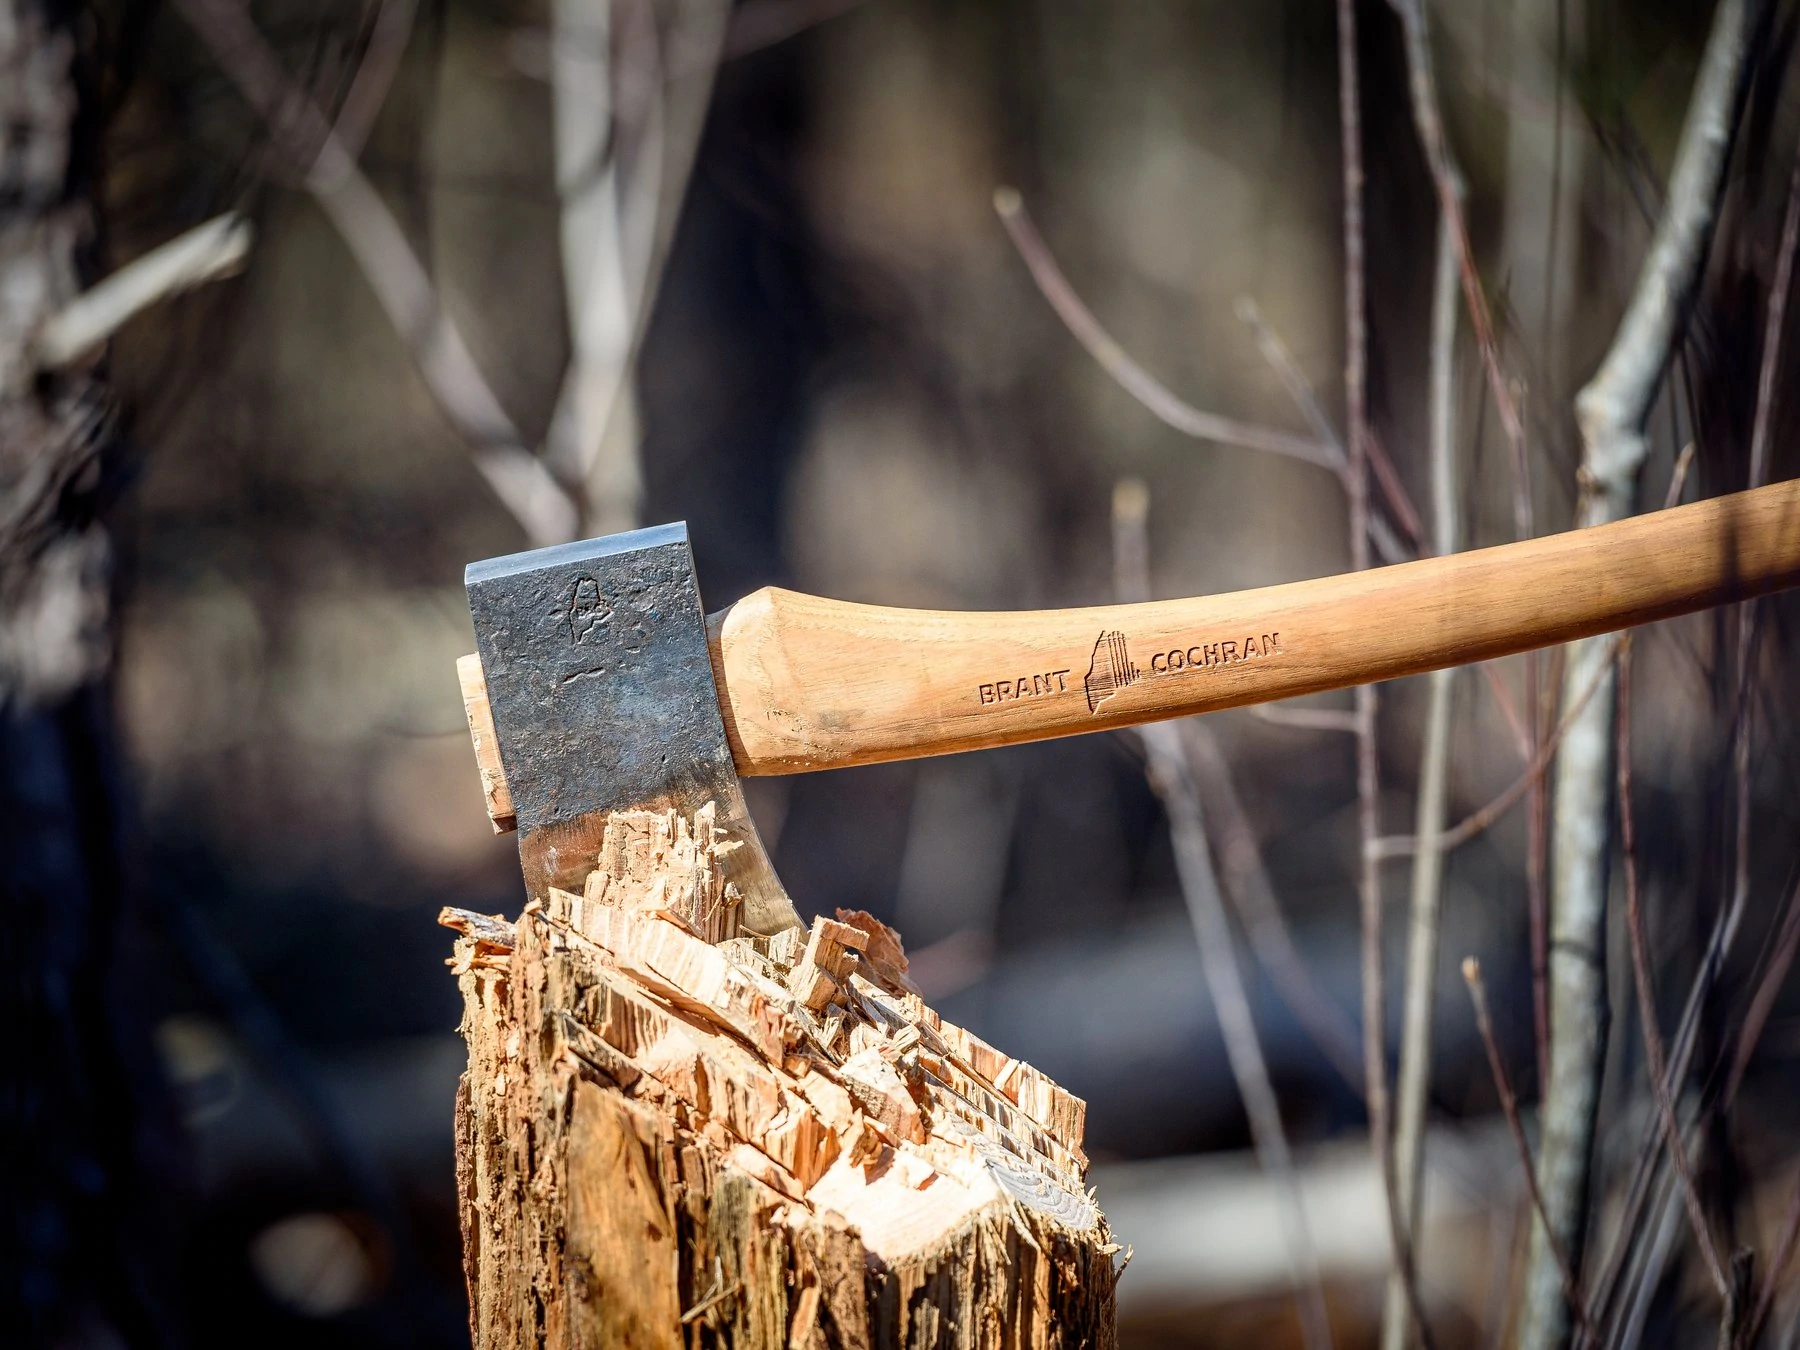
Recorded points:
(742,265)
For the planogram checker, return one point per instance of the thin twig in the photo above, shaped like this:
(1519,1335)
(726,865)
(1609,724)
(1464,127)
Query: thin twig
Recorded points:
(1404,845)
(1787,941)
(763,23)
(1737,1293)
(1778,1259)
(1509,1106)
(1368,786)
(1389,545)
(1768,990)
(1174,785)
(1644,1171)
(1304,719)
(1393,492)
(715,1294)
(1426,899)
(1537,890)
(672,120)
(1428,118)
(1772,330)
(1515,721)
(1657,1238)
(388,38)
(754,25)
(205,253)
(1547,340)
(1646,997)
(1743,705)
(1293,379)
(1129,375)
(1247,886)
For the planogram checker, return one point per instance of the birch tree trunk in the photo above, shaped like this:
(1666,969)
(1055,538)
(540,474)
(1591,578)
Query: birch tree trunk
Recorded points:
(1613,410)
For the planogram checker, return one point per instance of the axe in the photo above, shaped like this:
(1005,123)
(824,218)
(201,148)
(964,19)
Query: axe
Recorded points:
(601,685)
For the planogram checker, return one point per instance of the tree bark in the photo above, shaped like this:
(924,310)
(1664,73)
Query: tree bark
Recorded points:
(83,1110)
(674,1135)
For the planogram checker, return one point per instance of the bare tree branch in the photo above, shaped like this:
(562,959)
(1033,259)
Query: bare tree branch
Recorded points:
(1368,786)
(1391,548)
(1174,785)
(1130,376)
(375,73)
(598,294)
(1447,177)
(205,253)
(1428,118)
(1654,1056)
(1304,719)
(1768,990)
(1248,888)
(1509,1107)
(763,23)
(1404,845)
(661,113)
(1744,706)
(1645,1171)
(1433,803)
(391,267)
(1613,411)
(1778,1260)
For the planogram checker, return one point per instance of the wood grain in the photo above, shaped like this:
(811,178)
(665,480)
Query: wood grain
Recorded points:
(661,1145)
(494,792)
(808,683)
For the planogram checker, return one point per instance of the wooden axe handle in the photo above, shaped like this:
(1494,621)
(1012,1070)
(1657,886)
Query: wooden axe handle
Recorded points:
(806,683)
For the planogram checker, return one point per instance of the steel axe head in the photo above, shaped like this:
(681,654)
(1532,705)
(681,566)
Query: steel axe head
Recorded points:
(603,699)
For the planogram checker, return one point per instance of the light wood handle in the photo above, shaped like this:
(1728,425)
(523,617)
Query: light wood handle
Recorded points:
(806,683)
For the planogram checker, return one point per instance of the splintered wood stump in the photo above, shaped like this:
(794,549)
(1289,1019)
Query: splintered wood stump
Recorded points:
(673,1134)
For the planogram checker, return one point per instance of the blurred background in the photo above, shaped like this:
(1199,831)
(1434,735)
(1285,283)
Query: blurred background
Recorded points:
(740,265)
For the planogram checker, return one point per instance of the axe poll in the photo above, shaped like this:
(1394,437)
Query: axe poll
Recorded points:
(601,685)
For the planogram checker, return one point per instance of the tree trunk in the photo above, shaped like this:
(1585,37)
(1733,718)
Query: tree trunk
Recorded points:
(85,1117)
(671,1134)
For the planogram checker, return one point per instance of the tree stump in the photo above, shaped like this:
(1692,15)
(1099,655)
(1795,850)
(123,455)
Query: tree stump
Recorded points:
(672,1133)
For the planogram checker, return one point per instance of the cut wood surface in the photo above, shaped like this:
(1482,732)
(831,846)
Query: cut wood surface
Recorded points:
(810,683)
(672,1133)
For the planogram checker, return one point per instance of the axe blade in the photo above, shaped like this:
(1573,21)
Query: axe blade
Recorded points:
(603,698)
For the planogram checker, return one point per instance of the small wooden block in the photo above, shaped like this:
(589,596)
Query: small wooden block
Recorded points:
(494,792)
(831,954)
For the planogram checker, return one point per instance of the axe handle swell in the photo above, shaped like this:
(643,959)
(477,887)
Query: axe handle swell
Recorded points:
(807,683)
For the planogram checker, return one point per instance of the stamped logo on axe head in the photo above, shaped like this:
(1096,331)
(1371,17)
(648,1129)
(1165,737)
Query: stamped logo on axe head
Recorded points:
(588,610)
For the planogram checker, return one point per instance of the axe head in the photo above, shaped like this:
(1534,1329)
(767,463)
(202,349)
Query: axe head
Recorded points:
(603,697)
